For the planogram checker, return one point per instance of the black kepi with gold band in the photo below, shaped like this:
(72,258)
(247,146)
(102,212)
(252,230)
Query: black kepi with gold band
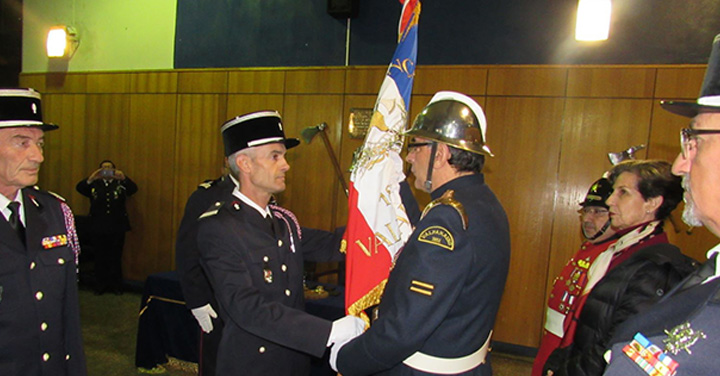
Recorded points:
(254,129)
(22,108)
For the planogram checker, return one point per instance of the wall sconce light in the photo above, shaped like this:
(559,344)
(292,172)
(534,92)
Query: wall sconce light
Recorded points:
(62,42)
(593,20)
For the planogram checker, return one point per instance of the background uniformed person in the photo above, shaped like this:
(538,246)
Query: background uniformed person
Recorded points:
(441,298)
(568,293)
(198,294)
(39,313)
(253,252)
(108,188)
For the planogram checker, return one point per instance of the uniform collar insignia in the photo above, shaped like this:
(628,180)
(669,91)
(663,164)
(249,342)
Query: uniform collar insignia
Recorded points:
(682,337)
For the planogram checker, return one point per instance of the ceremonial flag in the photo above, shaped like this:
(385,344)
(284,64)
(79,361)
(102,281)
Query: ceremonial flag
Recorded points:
(377,225)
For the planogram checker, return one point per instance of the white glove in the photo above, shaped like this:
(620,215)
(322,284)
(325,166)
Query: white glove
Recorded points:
(345,329)
(334,350)
(204,316)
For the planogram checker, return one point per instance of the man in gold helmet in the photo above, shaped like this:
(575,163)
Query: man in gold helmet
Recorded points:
(441,298)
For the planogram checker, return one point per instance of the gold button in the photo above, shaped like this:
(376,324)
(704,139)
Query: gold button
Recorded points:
(283,267)
(61,261)
(32,265)
(46,357)
(261,350)
(280,243)
(287,292)
(39,295)
(43,326)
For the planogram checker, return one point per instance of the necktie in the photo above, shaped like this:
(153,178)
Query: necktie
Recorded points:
(14,220)
(269,220)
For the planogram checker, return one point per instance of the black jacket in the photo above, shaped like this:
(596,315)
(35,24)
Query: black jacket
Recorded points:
(627,289)
(39,311)
(107,203)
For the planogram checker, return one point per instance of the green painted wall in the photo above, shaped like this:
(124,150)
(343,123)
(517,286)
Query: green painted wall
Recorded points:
(115,35)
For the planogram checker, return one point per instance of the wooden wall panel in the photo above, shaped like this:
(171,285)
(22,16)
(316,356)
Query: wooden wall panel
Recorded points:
(611,82)
(108,83)
(312,184)
(33,80)
(63,163)
(151,138)
(467,80)
(315,81)
(154,82)
(66,83)
(256,81)
(673,83)
(240,104)
(364,80)
(527,81)
(200,81)
(522,174)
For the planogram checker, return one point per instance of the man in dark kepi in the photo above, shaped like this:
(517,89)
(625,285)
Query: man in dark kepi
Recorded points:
(252,252)
(680,334)
(39,311)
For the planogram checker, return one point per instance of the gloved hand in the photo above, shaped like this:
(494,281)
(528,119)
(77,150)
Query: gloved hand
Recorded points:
(334,350)
(345,329)
(204,316)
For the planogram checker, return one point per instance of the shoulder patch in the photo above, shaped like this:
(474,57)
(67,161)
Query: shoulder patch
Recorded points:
(206,184)
(439,236)
(213,210)
(448,198)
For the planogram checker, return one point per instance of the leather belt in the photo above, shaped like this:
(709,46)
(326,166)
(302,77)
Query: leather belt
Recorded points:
(448,366)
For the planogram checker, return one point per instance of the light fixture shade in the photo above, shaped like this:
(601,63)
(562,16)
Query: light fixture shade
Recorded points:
(593,20)
(61,42)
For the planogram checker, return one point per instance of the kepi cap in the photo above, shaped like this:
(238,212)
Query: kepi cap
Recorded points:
(22,108)
(599,191)
(254,129)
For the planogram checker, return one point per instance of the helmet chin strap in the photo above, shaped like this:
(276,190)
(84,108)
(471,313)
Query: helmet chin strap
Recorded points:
(428,179)
(599,233)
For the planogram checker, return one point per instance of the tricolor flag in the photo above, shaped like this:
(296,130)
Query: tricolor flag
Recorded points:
(377,225)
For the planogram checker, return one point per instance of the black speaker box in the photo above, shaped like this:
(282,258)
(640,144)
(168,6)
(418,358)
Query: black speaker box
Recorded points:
(343,8)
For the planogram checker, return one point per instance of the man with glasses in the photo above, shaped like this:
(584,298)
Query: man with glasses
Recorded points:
(568,293)
(441,298)
(680,335)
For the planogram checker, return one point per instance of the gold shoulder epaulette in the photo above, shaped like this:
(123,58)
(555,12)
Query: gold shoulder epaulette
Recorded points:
(57,196)
(206,184)
(448,198)
(212,210)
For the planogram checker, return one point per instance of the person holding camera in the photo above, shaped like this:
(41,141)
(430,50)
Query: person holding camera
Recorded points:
(108,188)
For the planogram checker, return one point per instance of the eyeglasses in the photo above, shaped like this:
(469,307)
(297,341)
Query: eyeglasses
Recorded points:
(413,145)
(688,139)
(593,211)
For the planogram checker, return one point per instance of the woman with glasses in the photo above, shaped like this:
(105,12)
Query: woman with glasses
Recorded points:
(639,267)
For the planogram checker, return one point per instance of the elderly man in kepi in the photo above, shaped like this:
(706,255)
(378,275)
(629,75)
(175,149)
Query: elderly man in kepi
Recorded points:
(39,311)
(680,335)
(253,251)
(568,293)
(441,298)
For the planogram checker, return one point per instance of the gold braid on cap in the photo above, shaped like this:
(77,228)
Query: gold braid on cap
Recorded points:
(448,198)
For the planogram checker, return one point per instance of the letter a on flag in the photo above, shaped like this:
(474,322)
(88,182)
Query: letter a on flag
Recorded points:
(377,225)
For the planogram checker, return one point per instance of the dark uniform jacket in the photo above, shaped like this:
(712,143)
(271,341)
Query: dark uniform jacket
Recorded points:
(698,307)
(444,291)
(195,284)
(39,311)
(258,281)
(107,203)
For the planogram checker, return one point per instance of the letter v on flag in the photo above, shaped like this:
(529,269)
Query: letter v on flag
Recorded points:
(378,226)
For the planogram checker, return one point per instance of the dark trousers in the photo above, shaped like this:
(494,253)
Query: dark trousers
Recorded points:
(209,343)
(108,260)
